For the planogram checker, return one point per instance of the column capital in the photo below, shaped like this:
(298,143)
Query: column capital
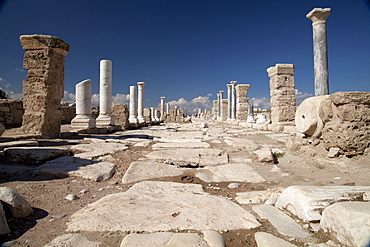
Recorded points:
(281,69)
(141,83)
(162,97)
(233,82)
(318,15)
(221,92)
(228,85)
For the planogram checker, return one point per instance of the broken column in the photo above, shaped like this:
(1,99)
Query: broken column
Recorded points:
(241,102)
(283,99)
(168,108)
(229,101)
(215,109)
(162,108)
(105,102)
(140,109)
(318,17)
(83,118)
(43,88)
(133,106)
(233,100)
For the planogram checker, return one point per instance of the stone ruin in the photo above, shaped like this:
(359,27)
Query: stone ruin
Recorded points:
(44,87)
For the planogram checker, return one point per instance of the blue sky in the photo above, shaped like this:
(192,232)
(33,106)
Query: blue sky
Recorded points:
(189,49)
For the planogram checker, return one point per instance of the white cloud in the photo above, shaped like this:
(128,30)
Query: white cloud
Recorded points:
(192,106)
(301,96)
(69,97)
(121,99)
(117,99)
(263,103)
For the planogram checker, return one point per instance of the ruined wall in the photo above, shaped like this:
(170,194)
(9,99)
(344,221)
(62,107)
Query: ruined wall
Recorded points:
(68,112)
(215,109)
(224,106)
(120,114)
(148,115)
(11,112)
(176,116)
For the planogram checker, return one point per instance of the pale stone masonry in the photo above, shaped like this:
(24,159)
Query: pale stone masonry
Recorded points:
(105,118)
(215,109)
(241,91)
(318,17)
(83,118)
(224,106)
(120,114)
(162,117)
(283,99)
(133,106)
(43,88)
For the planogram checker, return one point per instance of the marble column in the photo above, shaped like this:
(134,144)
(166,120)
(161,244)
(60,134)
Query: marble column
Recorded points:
(162,109)
(83,118)
(133,106)
(221,112)
(105,103)
(168,108)
(318,17)
(152,109)
(233,100)
(229,101)
(140,108)
(156,115)
(218,106)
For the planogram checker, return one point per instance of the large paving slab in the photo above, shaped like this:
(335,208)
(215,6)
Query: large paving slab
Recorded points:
(72,239)
(73,166)
(172,145)
(190,157)
(237,172)
(282,222)
(140,171)
(240,143)
(169,239)
(152,211)
(256,197)
(95,150)
(31,155)
(264,239)
(18,144)
(307,202)
(176,140)
(348,222)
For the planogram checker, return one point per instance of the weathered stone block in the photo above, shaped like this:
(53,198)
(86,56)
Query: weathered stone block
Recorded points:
(347,136)
(279,81)
(282,114)
(120,114)
(280,69)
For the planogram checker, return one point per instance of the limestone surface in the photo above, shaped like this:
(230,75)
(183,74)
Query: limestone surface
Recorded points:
(139,171)
(34,154)
(307,202)
(155,211)
(72,239)
(90,151)
(255,197)
(18,144)
(190,157)
(264,239)
(17,205)
(172,145)
(237,172)
(73,166)
(348,222)
(282,222)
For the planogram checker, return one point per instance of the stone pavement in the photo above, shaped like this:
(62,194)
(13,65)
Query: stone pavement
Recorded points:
(193,186)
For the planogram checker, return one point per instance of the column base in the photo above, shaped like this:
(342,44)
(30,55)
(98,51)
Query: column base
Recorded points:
(141,119)
(83,122)
(104,120)
(133,120)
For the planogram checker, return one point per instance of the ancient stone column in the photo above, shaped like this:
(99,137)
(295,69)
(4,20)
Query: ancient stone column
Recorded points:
(43,88)
(250,118)
(133,106)
(140,108)
(229,92)
(224,110)
(105,102)
(152,109)
(162,108)
(168,108)
(218,106)
(241,91)
(83,118)
(233,100)
(221,109)
(156,117)
(318,17)
(283,99)
(215,109)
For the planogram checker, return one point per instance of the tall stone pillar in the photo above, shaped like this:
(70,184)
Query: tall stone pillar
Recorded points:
(83,118)
(156,117)
(215,109)
(168,108)
(318,17)
(229,109)
(283,99)
(140,108)
(162,108)
(152,111)
(233,100)
(222,110)
(133,106)
(218,106)
(43,88)
(105,102)
(242,102)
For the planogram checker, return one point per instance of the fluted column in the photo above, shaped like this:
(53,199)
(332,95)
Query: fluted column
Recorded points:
(318,17)
(105,102)
(133,107)
(140,107)
(233,100)
(229,101)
